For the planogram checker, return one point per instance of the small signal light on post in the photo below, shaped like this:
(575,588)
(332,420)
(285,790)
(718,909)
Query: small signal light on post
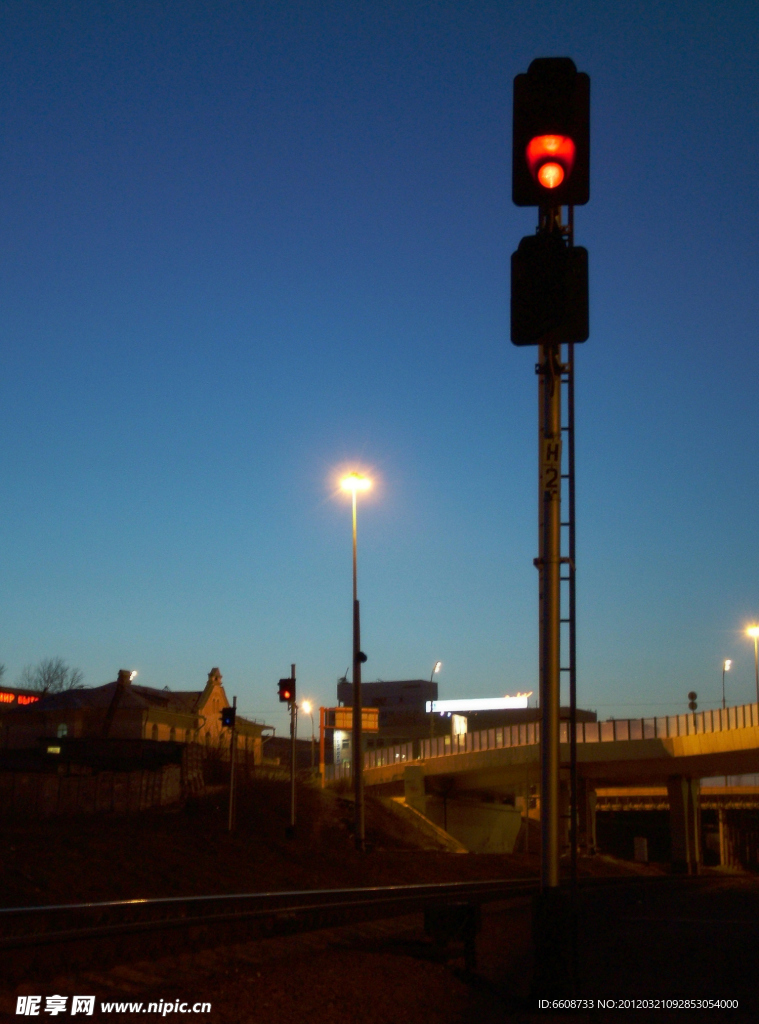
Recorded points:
(228,717)
(692,704)
(287,690)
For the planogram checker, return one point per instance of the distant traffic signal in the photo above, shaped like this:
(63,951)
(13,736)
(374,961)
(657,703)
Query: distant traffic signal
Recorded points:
(549,291)
(228,717)
(287,690)
(692,700)
(551,140)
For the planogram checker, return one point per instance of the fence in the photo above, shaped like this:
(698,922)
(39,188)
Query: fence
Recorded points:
(741,717)
(372,759)
(35,794)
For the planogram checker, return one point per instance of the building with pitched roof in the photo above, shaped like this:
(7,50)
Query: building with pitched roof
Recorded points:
(123,710)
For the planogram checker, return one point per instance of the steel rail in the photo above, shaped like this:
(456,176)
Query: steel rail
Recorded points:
(295,909)
(287,911)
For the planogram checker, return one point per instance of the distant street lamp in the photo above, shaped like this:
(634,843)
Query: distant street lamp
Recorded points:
(309,709)
(353,483)
(725,668)
(435,668)
(753,631)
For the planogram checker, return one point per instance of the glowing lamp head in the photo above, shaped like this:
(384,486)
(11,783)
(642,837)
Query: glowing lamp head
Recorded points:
(550,159)
(355,482)
(306,705)
(753,632)
(550,175)
(727,664)
(438,666)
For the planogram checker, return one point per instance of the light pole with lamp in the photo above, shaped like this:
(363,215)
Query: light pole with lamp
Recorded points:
(725,668)
(353,483)
(723,849)
(435,669)
(753,632)
(309,709)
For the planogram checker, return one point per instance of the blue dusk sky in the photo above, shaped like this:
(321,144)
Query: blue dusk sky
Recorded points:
(246,245)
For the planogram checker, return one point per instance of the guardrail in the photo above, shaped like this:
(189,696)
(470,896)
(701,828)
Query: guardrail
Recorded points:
(372,759)
(740,716)
(628,729)
(527,734)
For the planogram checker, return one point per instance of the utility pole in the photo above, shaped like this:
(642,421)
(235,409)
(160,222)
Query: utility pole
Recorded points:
(293,729)
(233,760)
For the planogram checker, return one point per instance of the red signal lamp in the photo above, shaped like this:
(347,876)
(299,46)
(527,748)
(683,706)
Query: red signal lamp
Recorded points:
(287,690)
(550,159)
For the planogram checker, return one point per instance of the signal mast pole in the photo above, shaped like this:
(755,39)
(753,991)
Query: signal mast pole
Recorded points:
(293,730)
(549,565)
(549,308)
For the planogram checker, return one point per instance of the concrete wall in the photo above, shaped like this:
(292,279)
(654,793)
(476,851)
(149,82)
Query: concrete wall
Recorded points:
(480,827)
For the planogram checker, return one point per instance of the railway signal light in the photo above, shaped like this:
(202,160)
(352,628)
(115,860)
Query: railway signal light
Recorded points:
(228,717)
(287,690)
(551,141)
(549,291)
(692,700)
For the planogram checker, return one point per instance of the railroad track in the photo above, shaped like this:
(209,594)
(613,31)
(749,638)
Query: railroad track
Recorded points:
(264,913)
(43,942)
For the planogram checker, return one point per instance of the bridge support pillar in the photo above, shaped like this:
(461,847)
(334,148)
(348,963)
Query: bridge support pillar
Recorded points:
(684,824)
(586,812)
(724,842)
(413,788)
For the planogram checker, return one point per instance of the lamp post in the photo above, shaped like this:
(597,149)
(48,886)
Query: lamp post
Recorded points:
(725,668)
(753,632)
(435,668)
(353,483)
(309,709)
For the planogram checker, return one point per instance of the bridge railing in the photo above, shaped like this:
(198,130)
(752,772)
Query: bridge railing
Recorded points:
(740,717)
(389,755)
(372,759)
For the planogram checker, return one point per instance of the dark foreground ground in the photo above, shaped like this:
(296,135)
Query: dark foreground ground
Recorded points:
(654,940)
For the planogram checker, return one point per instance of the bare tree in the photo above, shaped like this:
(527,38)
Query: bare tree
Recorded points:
(51,675)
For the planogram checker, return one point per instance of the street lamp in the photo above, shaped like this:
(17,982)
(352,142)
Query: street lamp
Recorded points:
(353,483)
(725,668)
(309,709)
(435,668)
(753,631)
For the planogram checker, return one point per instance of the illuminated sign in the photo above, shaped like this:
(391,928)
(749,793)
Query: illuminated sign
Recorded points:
(479,704)
(23,698)
(342,718)
(458,725)
(53,750)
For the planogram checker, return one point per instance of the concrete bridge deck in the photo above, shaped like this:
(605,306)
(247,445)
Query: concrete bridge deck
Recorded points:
(635,751)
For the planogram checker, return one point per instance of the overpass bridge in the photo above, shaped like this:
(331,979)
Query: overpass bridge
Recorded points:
(456,776)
